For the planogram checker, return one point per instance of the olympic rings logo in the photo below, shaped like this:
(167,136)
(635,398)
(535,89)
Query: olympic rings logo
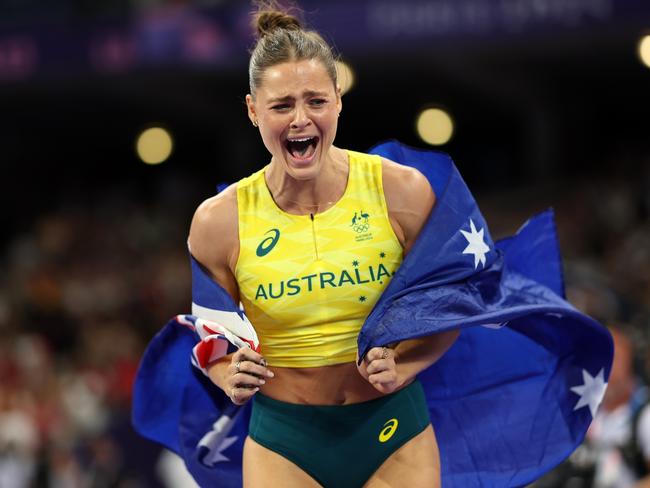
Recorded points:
(359,228)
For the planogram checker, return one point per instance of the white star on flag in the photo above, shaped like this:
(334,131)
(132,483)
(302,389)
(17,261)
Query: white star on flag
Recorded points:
(476,245)
(217,441)
(216,455)
(591,391)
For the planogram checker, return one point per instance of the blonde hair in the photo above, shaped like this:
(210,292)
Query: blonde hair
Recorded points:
(281,38)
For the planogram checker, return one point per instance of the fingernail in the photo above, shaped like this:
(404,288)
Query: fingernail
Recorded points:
(256,388)
(263,362)
(262,382)
(270,374)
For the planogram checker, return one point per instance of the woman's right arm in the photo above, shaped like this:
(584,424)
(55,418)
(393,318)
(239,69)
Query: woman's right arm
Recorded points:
(214,239)
(214,243)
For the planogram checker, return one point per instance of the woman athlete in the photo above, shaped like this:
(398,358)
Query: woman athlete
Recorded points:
(307,245)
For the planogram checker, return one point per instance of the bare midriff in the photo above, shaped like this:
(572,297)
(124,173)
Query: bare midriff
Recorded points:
(339,384)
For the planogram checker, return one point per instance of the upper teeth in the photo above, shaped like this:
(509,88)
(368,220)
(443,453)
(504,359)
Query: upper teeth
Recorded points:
(304,139)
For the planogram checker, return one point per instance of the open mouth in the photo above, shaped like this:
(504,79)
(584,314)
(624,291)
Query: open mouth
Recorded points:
(302,147)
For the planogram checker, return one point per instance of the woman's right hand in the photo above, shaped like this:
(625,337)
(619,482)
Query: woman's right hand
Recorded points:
(242,377)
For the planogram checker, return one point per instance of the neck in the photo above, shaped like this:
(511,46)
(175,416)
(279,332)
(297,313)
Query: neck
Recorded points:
(314,195)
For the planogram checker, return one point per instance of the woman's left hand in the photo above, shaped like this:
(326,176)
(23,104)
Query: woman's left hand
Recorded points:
(380,369)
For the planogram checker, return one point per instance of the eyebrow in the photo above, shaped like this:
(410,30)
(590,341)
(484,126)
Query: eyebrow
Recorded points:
(307,94)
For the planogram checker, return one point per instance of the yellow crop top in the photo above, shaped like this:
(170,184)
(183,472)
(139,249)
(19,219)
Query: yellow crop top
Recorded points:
(307,282)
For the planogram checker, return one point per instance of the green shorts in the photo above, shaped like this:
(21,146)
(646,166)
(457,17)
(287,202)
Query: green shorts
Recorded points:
(340,446)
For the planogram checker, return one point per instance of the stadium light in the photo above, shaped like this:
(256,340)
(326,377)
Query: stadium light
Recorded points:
(435,126)
(644,50)
(154,145)
(345,76)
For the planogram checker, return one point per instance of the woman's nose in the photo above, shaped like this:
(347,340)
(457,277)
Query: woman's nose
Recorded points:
(300,118)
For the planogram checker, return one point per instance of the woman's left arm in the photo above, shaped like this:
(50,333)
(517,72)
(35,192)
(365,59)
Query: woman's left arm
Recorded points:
(410,199)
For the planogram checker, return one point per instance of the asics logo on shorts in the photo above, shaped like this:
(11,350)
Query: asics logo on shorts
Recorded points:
(388,430)
(269,243)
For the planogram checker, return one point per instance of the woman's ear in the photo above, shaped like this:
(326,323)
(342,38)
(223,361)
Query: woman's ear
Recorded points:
(250,105)
(339,99)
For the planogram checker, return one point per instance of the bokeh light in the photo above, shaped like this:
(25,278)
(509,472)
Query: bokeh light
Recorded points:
(644,50)
(154,145)
(435,126)
(345,75)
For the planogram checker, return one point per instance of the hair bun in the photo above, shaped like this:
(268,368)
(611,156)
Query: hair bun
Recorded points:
(270,20)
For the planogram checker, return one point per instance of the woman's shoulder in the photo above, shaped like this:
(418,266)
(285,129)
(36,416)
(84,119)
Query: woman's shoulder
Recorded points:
(214,229)
(400,182)
(409,199)
(404,181)
(399,174)
(219,213)
(217,209)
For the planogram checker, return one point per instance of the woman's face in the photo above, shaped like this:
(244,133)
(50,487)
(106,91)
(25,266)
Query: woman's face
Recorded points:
(297,108)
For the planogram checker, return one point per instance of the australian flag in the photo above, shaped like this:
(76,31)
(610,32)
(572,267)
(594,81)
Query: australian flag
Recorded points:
(510,400)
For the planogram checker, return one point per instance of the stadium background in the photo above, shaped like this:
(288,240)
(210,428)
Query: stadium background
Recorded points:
(551,105)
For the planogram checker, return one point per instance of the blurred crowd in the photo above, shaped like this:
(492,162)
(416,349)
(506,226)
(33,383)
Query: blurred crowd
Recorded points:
(82,292)
(87,284)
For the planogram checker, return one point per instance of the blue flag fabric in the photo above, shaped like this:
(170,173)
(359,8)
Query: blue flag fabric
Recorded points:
(511,399)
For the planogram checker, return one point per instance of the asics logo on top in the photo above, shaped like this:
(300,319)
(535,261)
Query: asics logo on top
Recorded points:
(269,243)
(388,430)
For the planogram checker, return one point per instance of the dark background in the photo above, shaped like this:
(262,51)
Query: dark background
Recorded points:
(540,92)
(551,105)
